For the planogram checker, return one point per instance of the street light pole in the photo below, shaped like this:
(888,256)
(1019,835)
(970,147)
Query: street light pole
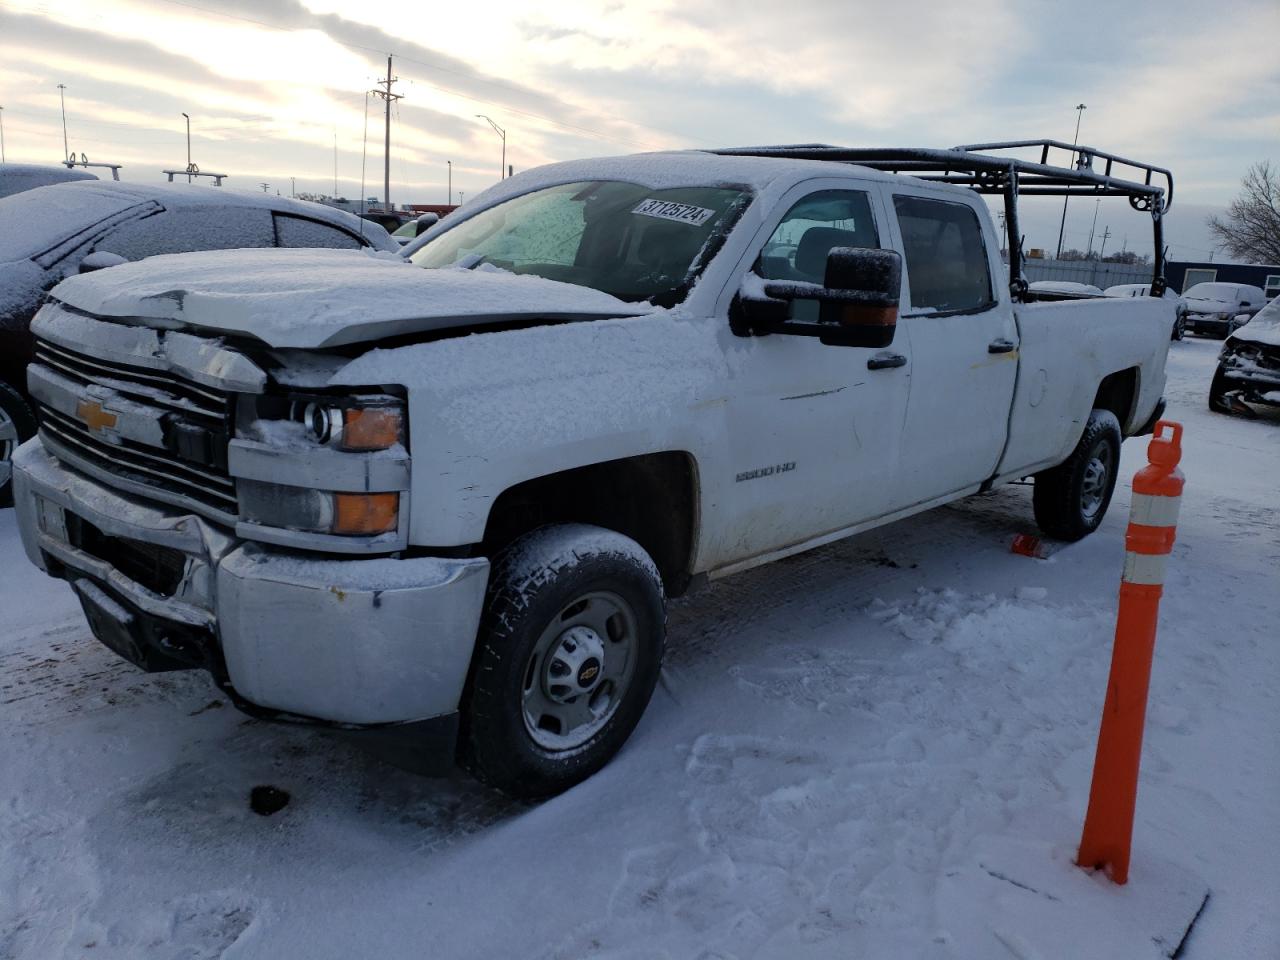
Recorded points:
(188,119)
(1080,109)
(502,174)
(66,150)
(450,163)
(1096,204)
(1,134)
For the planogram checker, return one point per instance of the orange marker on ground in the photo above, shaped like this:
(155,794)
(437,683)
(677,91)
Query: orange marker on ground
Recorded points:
(1153,517)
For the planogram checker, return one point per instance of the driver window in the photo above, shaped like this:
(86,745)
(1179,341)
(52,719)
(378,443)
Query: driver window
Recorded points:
(798,248)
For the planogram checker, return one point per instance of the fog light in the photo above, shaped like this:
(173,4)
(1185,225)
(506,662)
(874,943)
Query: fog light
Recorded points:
(366,513)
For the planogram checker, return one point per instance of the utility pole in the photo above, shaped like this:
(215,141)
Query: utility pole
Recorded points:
(460,204)
(502,171)
(293,186)
(450,163)
(264,186)
(1080,109)
(1105,234)
(1,134)
(66,150)
(386,94)
(335,164)
(1096,204)
(188,148)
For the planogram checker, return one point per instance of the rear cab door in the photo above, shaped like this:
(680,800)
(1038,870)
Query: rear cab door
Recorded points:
(963,338)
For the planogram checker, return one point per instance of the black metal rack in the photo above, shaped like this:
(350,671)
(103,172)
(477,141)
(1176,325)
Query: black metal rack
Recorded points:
(984,167)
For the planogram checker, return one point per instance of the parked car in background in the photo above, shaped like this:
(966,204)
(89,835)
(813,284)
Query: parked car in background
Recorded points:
(51,232)
(17,177)
(1249,365)
(420,224)
(1067,288)
(1218,308)
(1144,290)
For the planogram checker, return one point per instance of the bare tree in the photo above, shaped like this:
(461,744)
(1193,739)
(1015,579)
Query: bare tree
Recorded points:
(1251,229)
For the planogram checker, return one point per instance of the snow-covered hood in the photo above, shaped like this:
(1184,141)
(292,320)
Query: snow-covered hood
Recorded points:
(324,298)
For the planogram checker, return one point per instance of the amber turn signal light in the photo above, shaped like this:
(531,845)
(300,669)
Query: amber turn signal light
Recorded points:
(371,428)
(365,513)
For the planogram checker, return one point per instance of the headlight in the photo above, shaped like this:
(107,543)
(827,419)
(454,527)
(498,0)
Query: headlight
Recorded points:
(297,427)
(360,426)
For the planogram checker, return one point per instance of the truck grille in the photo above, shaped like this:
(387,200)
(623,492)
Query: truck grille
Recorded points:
(179,472)
(159,569)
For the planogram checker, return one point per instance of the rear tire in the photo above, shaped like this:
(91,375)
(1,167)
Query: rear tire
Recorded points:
(568,654)
(1071,499)
(17,423)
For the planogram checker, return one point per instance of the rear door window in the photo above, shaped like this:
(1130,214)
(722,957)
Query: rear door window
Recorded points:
(300,232)
(946,255)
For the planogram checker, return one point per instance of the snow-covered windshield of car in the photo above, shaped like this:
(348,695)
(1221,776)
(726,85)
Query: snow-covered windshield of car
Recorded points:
(633,242)
(1213,291)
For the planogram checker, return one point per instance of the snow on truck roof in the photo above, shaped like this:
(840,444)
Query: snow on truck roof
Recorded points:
(35,220)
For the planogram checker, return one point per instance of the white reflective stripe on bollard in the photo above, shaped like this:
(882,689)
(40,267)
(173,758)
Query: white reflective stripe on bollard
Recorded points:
(1154,511)
(1144,568)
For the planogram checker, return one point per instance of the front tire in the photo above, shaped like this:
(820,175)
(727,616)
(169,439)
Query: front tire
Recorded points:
(17,423)
(1217,392)
(1071,499)
(569,651)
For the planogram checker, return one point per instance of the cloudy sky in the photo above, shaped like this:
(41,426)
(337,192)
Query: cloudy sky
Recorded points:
(272,85)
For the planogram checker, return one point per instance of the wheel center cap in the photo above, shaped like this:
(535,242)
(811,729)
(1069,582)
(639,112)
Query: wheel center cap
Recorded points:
(576,664)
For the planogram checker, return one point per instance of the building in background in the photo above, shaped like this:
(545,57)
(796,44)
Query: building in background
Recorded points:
(1183,274)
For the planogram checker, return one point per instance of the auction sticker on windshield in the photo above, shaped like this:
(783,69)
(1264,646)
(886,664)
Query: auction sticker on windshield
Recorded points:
(679,212)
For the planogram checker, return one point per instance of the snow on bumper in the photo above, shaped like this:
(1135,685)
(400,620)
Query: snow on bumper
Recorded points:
(346,641)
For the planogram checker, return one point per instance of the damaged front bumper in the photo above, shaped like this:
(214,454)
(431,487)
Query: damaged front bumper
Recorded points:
(1252,372)
(349,642)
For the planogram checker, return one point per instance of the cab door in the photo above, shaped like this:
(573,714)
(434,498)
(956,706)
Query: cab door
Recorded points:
(963,338)
(813,430)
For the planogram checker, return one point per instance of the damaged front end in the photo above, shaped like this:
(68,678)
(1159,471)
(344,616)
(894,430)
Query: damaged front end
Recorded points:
(1248,373)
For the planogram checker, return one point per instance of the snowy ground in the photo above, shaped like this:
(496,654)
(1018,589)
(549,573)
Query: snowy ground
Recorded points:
(880,749)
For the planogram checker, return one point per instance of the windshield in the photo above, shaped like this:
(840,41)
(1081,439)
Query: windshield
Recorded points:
(409,229)
(1213,291)
(634,242)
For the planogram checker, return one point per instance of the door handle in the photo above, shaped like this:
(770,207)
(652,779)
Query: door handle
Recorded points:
(885,361)
(1001,346)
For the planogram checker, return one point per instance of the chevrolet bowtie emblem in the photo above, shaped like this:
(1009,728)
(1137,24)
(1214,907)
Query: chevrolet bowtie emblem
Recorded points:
(93,416)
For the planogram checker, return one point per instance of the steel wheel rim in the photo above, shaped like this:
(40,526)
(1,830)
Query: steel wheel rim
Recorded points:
(563,703)
(8,441)
(1094,487)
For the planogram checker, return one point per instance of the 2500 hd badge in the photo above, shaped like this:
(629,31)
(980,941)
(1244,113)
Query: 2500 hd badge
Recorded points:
(765,471)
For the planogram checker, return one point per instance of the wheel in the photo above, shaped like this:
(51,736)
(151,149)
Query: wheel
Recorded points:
(569,650)
(1179,328)
(1217,389)
(1071,499)
(17,423)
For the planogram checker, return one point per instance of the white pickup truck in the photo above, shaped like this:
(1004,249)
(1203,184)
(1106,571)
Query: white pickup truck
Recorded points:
(443,500)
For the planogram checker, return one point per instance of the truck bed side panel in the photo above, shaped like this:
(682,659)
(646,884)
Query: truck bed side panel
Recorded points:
(1066,349)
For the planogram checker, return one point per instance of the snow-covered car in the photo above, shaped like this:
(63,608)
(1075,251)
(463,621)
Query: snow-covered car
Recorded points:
(1144,290)
(1249,365)
(443,498)
(409,231)
(17,177)
(1218,308)
(52,232)
(1065,288)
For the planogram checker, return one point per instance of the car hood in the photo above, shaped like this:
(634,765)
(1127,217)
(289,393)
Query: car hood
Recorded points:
(1266,332)
(324,298)
(1199,305)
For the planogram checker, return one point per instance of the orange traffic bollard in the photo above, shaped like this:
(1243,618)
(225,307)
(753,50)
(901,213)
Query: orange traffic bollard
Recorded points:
(1153,517)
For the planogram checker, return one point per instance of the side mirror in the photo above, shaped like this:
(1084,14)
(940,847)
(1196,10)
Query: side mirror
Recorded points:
(426,222)
(100,259)
(858,301)
(868,282)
